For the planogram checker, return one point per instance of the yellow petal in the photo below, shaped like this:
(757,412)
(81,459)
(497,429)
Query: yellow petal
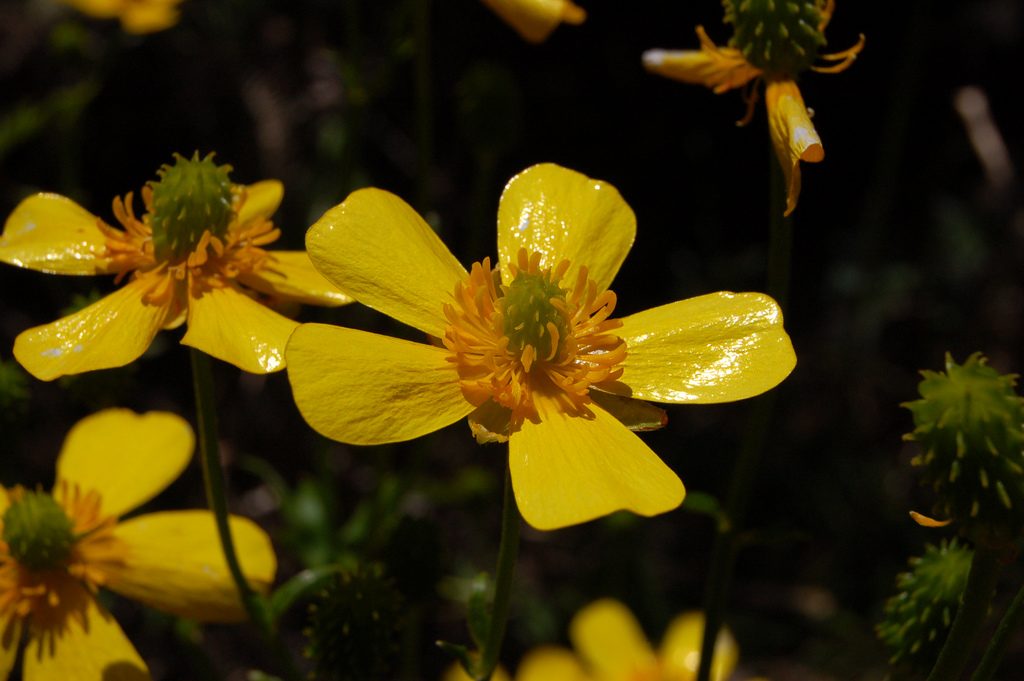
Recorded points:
(793,135)
(563,215)
(549,663)
(174,563)
(261,200)
(52,233)
(718,347)
(680,649)
(571,469)
(374,247)
(364,388)
(611,642)
(926,521)
(111,332)
(4,501)
(229,325)
(149,16)
(291,275)
(10,638)
(455,672)
(83,644)
(534,20)
(128,458)
(637,415)
(718,68)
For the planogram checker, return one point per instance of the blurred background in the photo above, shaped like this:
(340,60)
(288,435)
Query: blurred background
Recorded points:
(908,243)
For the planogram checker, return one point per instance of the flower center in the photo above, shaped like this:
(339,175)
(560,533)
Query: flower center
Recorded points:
(191,197)
(37,531)
(780,37)
(512,342)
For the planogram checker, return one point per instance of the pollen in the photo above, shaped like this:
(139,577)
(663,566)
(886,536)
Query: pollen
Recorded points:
(538,334)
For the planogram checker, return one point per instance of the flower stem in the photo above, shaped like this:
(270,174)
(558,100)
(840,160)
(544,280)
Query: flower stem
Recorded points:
(981,584)
(997,646)
(508,550)
(723,554)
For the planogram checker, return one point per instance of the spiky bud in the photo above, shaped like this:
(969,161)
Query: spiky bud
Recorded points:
(917,619)
(353,624)
(969,426)
(780,37)
(191,197)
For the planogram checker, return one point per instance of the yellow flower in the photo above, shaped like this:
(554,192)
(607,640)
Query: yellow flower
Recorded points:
(773,42)
(57,550)
(197,254)
(137,16)
(529,352)
(611,646)
(534,20)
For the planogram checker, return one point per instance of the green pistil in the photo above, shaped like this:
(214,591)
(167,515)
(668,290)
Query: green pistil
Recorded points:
(38,532)
(192,196)
(528,310)
(780,37)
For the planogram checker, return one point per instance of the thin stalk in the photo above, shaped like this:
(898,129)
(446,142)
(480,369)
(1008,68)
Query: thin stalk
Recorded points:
(723,553)
(997,646)
(508,550)
(981,584)
(424,106)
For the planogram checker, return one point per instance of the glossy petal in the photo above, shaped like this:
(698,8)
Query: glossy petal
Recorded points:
(149,16)
(128,458)
(261,200)
(291,275)
(718,68)
(611,642)
(174,563)
(111,332)
(364,388)
(534,20)
(549,663)
(680,649)
(10,638)
(563,215)
(718,347)
(570,469)
(229,325)
(52,233)
(83,644)
(375,247)
(793,135)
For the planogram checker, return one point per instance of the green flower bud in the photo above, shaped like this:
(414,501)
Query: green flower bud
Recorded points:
(780,37)
(531,318)
(969,424)
(917,619)
(352,626)
(37,531)
(191,197)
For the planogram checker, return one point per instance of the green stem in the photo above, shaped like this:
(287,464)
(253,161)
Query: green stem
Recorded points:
(723,553)
(216,498)
(997,646)
(424,106)
(981,584)
(508,550)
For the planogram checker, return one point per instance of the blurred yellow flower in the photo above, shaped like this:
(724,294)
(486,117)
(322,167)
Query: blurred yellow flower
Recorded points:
(529,350)
(611,646)
(534,20)
(56,551)
(137,16)
(773,42)
(197,254)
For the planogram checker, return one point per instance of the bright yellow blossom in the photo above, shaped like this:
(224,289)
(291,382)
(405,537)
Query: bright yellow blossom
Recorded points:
(529,351)
(137,16)
(611,646)
(534,20)
(773,42)
(57,551)
(211,271)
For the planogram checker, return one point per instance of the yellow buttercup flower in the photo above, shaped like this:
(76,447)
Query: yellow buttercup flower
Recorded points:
(136,16)
(611,646)
(773,42)
(529,351)
(57,550)
(534,20)
(197,254)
